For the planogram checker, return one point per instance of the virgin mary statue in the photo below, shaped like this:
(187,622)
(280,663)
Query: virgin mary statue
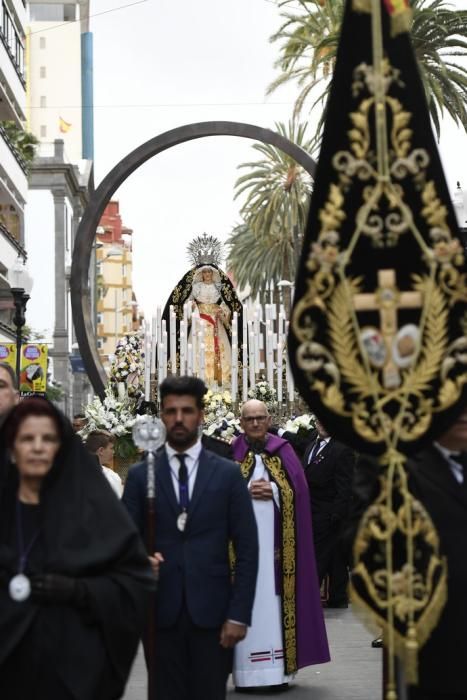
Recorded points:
(208,295)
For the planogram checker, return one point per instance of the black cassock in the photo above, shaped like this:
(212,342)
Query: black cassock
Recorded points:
(61,651)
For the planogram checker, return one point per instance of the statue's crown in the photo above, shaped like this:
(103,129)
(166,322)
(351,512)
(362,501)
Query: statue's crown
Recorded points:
(205,250)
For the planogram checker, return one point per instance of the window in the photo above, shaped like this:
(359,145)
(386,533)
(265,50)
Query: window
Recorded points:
(100,317)
(52,12)
(43,131)
(19,54)
(42,42)
(42,72)
(12,39)
(43,101)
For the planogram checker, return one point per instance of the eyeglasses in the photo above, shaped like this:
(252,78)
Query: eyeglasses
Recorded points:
(253,419)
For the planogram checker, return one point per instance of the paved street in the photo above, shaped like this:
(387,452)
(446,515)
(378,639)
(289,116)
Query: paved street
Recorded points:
(353,674)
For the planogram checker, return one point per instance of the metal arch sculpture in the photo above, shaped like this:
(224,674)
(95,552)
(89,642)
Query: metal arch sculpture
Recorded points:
(79,279)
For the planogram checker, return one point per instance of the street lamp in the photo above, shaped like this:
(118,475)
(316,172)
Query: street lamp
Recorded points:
(20,287)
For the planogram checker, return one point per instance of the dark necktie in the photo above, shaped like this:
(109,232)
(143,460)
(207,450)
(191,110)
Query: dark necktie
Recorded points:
(314,450)
(183,496)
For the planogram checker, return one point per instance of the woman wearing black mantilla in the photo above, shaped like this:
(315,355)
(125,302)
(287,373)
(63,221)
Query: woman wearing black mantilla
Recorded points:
(74,577)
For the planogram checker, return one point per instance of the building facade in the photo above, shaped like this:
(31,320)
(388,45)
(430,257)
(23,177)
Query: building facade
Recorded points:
(59,112)
(13,167)
(116,305)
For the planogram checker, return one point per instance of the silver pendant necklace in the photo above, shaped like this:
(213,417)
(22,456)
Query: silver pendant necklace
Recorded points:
(19,587)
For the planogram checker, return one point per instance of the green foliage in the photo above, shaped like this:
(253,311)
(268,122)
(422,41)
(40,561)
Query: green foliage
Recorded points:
(125,448)
(309,37)
(255,260)
(23,141)
(54,393)
(276,195)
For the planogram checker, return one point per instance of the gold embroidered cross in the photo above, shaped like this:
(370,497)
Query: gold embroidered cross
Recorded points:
(388,300)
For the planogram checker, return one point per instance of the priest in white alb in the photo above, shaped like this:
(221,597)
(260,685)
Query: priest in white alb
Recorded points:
(287,631)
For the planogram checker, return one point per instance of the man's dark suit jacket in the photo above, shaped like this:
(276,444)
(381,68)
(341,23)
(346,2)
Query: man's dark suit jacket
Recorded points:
(329,478)
(196,562)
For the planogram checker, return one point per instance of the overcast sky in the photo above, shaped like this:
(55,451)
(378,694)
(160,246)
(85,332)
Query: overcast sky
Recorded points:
(159,64)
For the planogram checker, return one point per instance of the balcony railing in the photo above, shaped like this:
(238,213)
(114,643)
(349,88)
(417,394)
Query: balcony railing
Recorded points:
(12,42)
(21,162)
(11,239)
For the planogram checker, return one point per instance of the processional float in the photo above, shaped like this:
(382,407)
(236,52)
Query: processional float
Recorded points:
(378,332)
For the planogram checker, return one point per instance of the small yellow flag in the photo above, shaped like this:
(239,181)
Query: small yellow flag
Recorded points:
(63,125)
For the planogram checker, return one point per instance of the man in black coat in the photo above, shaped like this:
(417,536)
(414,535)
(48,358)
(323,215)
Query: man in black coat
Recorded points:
(328,468)
(202,505)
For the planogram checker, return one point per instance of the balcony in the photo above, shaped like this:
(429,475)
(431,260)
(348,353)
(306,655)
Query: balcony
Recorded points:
(13,173)
(12,87)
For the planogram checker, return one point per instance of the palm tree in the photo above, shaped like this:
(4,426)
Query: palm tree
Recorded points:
(256,262)
(309,39)
(277,189)
(265,248)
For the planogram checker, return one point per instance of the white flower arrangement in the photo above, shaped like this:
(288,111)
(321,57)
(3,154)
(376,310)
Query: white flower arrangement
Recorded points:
(127,367)
(226,428)
(301,424)
(219,419)
(263,392)
(217,405)
(116,416)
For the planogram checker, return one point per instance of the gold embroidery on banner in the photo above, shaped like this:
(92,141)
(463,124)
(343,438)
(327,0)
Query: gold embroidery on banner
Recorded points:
(416,596)
(350,361)
(288,530)
(366,362)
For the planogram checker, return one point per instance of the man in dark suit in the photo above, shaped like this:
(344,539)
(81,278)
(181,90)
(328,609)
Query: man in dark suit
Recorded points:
(202,504)
(328,468)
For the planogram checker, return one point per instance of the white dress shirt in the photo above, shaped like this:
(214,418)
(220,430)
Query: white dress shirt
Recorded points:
(191,461)
(455,467)
(114,480)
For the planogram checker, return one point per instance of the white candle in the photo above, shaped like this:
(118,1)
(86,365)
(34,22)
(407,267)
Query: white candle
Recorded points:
(153,344)
(189,368)
(269,356)
(159,324)
(160,354)
(194,341)
(290,382)
(234,371)
(147,370)
(164,351)
(201,360)
(251,343)
(279,371)
(244,369)
(173,340)
(256,337)
(182,351)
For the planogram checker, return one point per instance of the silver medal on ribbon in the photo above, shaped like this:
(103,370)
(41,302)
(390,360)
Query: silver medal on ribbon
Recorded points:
(19,588)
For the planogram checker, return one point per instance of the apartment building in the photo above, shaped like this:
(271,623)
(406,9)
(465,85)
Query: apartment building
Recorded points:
(59,113)
(13,165)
